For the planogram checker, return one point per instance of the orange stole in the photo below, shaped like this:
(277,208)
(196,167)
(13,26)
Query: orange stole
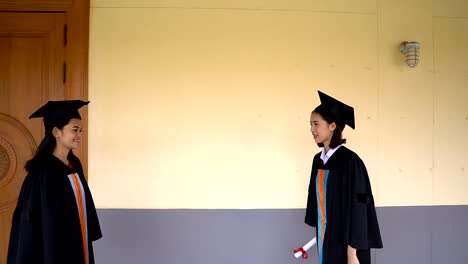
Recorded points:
(81,210)
(322,214)
(321,192)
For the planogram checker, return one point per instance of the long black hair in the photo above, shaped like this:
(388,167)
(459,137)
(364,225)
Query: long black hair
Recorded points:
(47,145)
(337,137)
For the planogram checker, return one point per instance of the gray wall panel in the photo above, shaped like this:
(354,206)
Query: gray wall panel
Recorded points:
(413,235)
(449,235)
(406,235)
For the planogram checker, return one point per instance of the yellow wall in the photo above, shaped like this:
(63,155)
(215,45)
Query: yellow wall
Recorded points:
(205,104)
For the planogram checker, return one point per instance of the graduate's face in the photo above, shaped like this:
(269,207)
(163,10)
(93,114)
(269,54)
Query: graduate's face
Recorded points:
(69,136)
(321,130)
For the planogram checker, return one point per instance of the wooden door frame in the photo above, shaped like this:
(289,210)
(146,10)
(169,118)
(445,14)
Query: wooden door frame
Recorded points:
(76,52)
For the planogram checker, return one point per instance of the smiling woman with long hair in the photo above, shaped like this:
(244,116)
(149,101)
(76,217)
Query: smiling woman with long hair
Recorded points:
(55,220)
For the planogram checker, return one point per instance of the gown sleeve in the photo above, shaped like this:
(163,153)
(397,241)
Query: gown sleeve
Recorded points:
(33,236)
(20,247)
(362,228)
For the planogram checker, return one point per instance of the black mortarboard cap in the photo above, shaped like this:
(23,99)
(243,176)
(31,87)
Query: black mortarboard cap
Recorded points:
(341,112)
(55,112)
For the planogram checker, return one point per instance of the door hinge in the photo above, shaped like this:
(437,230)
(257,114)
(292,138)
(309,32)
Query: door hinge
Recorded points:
(64,72)
(65,35)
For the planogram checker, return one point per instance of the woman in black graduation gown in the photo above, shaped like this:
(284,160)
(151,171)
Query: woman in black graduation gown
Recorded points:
(55,220)
(340,203)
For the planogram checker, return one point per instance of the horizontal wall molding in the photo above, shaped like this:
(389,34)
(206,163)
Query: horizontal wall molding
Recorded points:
(359,6)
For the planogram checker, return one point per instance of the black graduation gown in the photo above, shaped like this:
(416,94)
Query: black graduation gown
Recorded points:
(350,212)
(46,225)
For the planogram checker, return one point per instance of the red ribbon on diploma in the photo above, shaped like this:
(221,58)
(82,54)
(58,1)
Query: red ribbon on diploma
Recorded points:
(304,253)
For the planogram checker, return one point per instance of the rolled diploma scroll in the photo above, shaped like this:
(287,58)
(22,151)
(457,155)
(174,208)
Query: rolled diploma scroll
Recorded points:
(306,247)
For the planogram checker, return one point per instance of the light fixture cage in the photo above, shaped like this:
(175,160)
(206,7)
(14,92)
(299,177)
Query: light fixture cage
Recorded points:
(411,51)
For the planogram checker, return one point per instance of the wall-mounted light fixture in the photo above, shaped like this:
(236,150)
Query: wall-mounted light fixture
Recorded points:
(411,51)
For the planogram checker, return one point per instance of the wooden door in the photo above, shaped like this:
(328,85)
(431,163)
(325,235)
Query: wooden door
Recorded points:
(32,57)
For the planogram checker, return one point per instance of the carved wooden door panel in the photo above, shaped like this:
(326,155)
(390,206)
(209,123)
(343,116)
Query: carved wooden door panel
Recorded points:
(31,73)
